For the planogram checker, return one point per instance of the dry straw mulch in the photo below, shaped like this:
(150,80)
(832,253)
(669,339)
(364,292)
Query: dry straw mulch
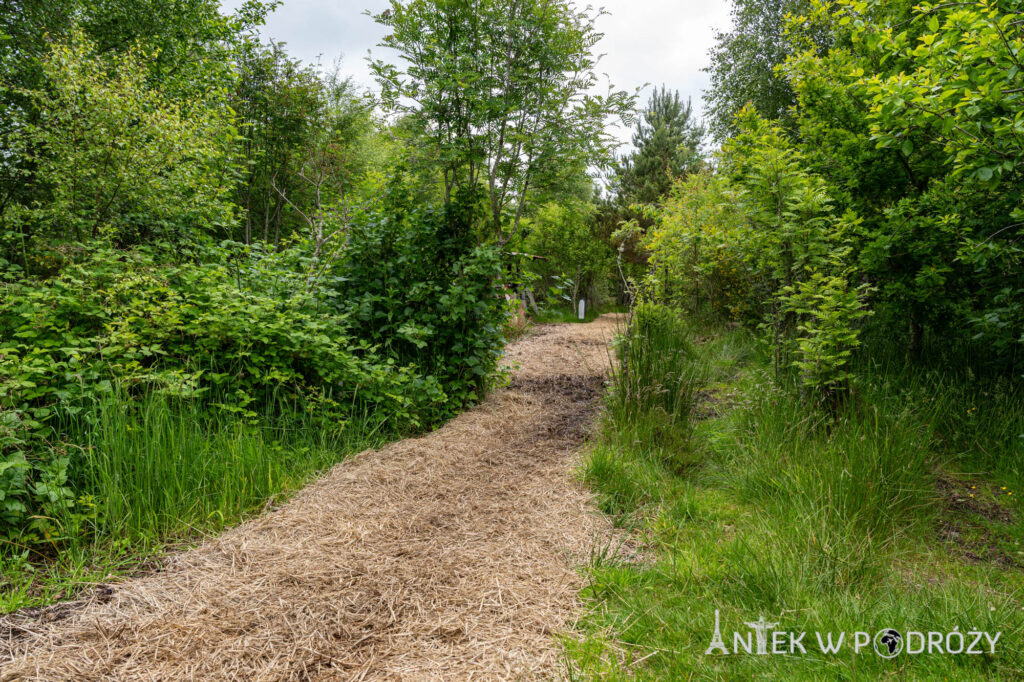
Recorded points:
(448,556)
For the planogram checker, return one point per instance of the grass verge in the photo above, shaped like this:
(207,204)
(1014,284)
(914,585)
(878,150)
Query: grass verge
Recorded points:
(898,512)
(160,474)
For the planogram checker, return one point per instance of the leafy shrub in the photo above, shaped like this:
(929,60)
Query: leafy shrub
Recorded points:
(413,282)
(702,250)
(762,242)
(913,116)
(366,311)
(125,320)
(827,310)
(178,327)
(119,158)
(574,257)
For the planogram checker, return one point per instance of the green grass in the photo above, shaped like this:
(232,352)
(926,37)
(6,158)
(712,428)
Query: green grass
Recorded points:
(561,314)
(754,503)
(164,473)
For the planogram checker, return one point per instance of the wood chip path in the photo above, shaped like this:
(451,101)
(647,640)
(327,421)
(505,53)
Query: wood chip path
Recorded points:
(450,556)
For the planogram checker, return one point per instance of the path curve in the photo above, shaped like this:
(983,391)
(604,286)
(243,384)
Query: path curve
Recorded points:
(449,556)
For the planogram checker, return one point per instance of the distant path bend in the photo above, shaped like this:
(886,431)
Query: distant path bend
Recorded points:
(449,556)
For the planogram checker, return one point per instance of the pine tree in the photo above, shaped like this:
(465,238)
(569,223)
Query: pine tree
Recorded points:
(667,142)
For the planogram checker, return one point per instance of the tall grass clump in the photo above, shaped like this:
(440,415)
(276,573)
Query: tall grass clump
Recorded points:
(158,465)
(655,372)
(870,467)
(976,408)
(151,470)
(654,380)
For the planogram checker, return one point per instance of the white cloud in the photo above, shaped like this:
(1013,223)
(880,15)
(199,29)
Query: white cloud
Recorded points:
(660,42)
(646,41)
(326,30)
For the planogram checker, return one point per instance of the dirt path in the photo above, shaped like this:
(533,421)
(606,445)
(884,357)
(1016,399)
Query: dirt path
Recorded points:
(443,557)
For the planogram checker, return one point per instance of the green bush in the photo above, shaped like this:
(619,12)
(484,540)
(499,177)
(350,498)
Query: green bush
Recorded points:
(125,320)
(118,158)
(574,257)
(413,282)
(155,380)
(827,311)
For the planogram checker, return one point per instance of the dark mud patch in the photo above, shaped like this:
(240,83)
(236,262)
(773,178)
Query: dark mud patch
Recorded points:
(977,497)
(709,404)
(20,624)
(572,387)
(572,401)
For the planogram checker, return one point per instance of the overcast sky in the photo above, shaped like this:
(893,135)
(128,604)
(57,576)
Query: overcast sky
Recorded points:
(646,41)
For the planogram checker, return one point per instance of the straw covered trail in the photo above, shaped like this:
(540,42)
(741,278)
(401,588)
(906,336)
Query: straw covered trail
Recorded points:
(449,556)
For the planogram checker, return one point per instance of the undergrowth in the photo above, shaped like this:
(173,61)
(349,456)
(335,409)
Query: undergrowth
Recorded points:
(896,510)
(155,473)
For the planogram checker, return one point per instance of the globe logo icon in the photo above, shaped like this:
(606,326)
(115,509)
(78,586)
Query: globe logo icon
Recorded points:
(888,643)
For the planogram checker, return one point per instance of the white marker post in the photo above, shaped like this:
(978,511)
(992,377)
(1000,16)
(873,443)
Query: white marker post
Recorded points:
(583,309)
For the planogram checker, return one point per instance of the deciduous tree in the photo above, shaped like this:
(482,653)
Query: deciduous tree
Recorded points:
(502,90)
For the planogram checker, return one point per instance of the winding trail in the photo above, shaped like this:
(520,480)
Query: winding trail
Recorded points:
(449,556)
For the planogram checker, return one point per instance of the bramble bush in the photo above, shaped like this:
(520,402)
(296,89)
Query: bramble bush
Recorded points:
(411,351)
(126,321)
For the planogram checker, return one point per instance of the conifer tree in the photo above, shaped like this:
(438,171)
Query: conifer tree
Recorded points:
(667,142)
